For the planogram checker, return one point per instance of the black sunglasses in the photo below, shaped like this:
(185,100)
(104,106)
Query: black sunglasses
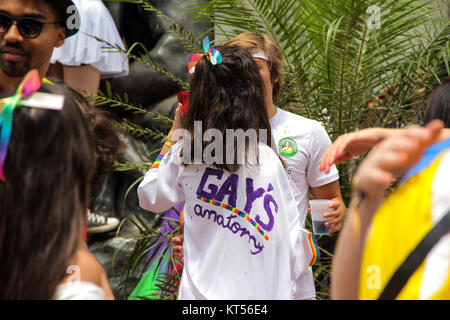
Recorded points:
(29,28)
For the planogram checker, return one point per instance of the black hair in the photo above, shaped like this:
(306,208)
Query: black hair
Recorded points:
(438,106)
(225,96)
(48,170)
(108,145)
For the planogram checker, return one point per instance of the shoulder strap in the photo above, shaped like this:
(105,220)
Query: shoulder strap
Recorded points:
(415,259)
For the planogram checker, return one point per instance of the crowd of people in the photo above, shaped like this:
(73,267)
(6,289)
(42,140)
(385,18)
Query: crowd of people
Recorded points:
(244,233)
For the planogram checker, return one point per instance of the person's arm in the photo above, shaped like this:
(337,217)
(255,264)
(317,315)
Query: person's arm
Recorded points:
(332,191)
(85,78)
(324,185)
(177,241)
(393,157)
(354,144)
(445,134)
(348,253)
(357,143)
(158,192)
(176,125)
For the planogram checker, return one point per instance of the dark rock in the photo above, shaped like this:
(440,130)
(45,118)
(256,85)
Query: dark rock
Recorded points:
(114,251)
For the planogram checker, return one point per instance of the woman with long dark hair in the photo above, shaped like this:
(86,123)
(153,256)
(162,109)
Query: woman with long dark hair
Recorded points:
(47,167)
(240,220)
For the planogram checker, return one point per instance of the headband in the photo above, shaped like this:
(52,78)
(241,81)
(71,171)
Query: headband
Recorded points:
(260,55)
(25,95)
(211,54)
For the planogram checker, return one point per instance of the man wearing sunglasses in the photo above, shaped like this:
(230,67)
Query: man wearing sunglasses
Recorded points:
(29,31)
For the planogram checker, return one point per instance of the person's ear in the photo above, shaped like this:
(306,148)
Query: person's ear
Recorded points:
(60,37)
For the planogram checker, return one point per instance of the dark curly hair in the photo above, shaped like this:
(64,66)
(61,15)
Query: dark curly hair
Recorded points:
(108,145)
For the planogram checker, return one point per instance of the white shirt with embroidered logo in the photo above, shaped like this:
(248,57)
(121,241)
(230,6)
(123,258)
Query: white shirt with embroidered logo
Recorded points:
(301,143)
(225,255)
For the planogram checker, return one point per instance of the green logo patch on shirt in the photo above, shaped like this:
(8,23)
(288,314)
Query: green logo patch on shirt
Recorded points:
(287,147)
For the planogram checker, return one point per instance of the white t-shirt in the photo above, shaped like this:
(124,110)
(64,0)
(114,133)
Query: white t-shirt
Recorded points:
(301,143)
(245,251)
(437,264)
(79,290)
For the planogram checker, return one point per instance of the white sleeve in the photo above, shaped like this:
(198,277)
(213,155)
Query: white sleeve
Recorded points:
(319,143)
(79,290)
(160,190)
(437,264)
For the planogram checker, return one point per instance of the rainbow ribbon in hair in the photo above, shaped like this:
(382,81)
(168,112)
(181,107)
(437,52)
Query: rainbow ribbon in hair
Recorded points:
(30,84)
(211,54)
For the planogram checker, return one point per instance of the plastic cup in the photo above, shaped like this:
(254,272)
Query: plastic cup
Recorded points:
(183,99)
(318,208)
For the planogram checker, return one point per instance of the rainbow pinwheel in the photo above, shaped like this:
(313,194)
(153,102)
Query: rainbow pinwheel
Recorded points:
(30,84)
(211,54)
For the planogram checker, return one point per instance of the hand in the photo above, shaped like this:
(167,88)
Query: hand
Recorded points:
(337,215)
(353,144)
(177,123)
(394,157)
(177,247)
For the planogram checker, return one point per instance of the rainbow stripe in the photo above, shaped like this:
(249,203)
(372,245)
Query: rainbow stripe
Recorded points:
(236,211)
(314,248)
(30,84)
(6,120)
(211,54)
(192,61)
(157,162)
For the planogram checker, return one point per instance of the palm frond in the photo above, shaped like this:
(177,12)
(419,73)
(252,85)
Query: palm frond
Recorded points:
(145,58)
(138,131)
(190,42)
(150,239)
(115,100)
